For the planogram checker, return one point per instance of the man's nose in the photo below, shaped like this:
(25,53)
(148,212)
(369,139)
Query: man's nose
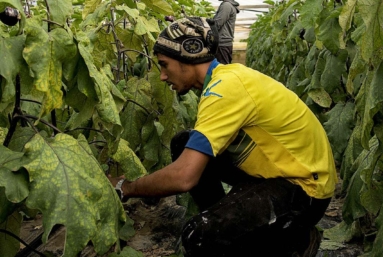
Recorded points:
(163,76)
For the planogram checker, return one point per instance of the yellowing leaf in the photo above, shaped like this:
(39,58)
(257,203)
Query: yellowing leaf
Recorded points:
(321,97)
(128,161)
(45,54)
(89,7)
(69,187)
(372,40)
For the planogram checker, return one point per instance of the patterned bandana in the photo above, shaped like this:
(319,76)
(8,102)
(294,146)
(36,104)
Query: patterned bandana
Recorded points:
(189,40)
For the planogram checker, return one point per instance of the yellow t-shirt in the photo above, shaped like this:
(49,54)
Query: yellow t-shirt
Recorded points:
(268,131)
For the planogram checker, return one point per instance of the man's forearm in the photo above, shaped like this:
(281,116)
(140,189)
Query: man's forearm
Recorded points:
(158,184)
(178,177)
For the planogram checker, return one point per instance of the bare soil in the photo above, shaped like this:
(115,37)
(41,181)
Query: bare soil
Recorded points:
(158,227)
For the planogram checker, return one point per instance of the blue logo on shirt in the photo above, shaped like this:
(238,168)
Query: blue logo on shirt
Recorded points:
(208,90)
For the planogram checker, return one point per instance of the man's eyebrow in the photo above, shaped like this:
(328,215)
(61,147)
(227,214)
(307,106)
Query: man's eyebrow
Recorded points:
(161,63)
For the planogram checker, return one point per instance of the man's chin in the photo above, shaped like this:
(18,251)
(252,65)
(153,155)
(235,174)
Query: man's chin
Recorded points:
(184,92)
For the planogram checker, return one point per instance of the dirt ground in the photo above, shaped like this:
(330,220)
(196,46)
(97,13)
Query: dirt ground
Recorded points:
(158,228)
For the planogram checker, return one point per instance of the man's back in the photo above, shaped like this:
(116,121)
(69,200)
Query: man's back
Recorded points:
(278,134)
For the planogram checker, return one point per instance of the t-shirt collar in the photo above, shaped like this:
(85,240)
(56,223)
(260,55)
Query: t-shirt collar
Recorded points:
(212,66)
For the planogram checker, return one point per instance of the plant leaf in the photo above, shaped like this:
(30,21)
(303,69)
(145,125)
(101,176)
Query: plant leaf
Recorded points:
(372,39)
(310,11)
(339,127)
(80,196)
(329,31)
(12,225)
(159,6)
(321,97)
(128,161)
(12,60)
(89,7)
(59,10)
(45,54)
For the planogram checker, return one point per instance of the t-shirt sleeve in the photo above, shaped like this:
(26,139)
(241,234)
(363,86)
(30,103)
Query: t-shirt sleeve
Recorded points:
(199,142)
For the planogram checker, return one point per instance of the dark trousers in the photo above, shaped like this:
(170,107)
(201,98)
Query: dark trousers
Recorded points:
(224,54)
(258,217)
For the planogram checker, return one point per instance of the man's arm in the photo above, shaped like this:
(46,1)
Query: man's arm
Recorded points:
(178,177)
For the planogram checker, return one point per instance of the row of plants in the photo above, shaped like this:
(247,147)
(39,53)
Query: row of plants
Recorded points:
(330,53)
(81,98)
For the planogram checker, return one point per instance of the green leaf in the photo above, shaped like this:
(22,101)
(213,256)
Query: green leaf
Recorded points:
(12,61)
(319,68)
(93,19)
(358,66)
(127,231)
(372,200)
(12,225)
(15,183)
(128,161)
(188,108)
(320,97)
(342,232)
(372,39)
(7,207)
(106,107)
(45,54)
(138,107)
(21,136)
(331,245)
(130,38)
(353,150)
(310,11)
(159,6)
(346,16)
(353,207)
(377,249)
(133,13)
(111,215)
(80,196)
(151,150)
(334,69)
(127,252)
(373,100)
(59,11)
(89,7)
(329,31)
(339,127)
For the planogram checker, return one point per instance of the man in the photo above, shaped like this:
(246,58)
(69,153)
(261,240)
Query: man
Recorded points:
(252,133)
(225,21)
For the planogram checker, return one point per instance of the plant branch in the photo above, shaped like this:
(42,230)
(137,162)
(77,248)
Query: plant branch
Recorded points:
(97,130)
(54,121)
(97,141)
(22,241)
(144,54)
(29,100)
(118,44)
(16,111)
(52,22)
(127,101)
(44,122)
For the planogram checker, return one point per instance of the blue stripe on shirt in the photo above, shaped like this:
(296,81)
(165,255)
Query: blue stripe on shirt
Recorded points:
(200,143)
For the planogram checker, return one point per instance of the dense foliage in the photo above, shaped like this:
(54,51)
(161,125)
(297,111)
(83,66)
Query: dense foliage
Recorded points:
(80,97)
(331,54)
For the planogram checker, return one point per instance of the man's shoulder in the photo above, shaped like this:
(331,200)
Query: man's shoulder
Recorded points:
(232,69)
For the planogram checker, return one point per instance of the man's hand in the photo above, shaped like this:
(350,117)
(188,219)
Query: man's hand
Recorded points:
(115,180)
(123,188)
